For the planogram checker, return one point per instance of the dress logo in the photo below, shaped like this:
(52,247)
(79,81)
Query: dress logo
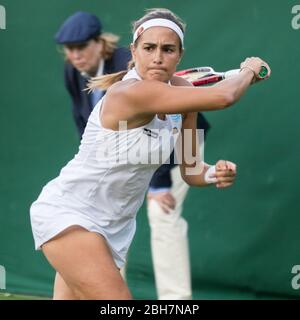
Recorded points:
(176,117)
(150,133)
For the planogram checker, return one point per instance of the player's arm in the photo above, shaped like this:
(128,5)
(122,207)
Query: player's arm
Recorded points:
(157,97)
(194,171)
(152,97)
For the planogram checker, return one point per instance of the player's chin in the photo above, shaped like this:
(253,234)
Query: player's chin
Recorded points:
(159,76)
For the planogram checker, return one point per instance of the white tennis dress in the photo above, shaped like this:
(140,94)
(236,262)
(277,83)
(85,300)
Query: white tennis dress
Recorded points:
(104,185)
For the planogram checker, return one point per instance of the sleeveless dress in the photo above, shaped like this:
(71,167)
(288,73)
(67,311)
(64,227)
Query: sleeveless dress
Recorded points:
(102,188)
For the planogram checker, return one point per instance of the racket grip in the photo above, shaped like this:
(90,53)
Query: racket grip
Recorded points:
(261,75)
(263,72)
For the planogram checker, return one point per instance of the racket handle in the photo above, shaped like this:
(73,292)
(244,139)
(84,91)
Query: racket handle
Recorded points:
(262,73)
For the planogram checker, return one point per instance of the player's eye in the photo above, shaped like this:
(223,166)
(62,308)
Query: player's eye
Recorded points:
(170,50)
(148,48)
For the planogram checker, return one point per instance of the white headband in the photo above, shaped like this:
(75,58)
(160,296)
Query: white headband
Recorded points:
(158,23)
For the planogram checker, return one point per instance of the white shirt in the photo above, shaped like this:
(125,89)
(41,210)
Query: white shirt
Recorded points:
(96,94)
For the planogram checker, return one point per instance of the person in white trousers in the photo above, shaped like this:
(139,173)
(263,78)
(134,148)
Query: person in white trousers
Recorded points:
(169,241)
(169,229)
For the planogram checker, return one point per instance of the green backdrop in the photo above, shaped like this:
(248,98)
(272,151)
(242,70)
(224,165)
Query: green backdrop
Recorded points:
(244,241)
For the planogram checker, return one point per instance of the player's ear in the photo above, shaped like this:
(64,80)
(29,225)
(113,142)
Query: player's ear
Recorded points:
(132,49)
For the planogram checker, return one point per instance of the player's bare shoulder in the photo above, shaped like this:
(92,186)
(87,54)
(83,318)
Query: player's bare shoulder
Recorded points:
(119,91)
(121,86)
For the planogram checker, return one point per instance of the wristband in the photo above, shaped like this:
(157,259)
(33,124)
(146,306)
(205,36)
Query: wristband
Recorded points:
(249,69)
(207,176)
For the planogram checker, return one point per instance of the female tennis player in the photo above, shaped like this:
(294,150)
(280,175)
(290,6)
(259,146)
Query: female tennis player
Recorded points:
(84,220)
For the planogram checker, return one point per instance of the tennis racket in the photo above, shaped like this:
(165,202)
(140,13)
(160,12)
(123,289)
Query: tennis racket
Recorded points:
(205,75)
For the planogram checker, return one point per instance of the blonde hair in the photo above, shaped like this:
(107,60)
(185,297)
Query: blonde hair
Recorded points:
(105,81)
(110,42)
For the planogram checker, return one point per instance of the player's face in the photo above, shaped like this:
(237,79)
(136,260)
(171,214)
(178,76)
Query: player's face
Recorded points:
(85,56)
(157,53)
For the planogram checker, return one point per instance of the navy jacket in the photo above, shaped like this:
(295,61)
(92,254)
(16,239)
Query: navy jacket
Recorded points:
(75,83)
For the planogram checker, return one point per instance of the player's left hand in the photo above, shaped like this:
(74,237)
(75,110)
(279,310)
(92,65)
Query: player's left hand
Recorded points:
(225,173)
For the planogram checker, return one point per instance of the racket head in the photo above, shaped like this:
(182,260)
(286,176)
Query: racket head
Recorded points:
(201,76)
(194,74)
(207,80)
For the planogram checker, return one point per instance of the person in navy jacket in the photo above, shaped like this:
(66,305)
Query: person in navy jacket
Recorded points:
(89,52)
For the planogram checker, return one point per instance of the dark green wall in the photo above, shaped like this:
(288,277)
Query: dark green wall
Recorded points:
(244,240)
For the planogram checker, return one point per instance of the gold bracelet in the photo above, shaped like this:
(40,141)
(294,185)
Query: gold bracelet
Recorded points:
(249,69)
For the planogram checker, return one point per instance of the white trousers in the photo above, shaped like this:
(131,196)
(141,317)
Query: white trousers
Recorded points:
(169,245)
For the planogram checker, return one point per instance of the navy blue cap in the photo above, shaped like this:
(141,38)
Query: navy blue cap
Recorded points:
(80,27)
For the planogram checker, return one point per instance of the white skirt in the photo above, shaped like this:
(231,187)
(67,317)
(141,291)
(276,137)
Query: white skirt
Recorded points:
(52,213)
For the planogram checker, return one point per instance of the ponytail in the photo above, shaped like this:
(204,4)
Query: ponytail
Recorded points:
(105,81)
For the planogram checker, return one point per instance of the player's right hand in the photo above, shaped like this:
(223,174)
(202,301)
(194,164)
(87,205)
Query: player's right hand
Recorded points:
(255,64)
